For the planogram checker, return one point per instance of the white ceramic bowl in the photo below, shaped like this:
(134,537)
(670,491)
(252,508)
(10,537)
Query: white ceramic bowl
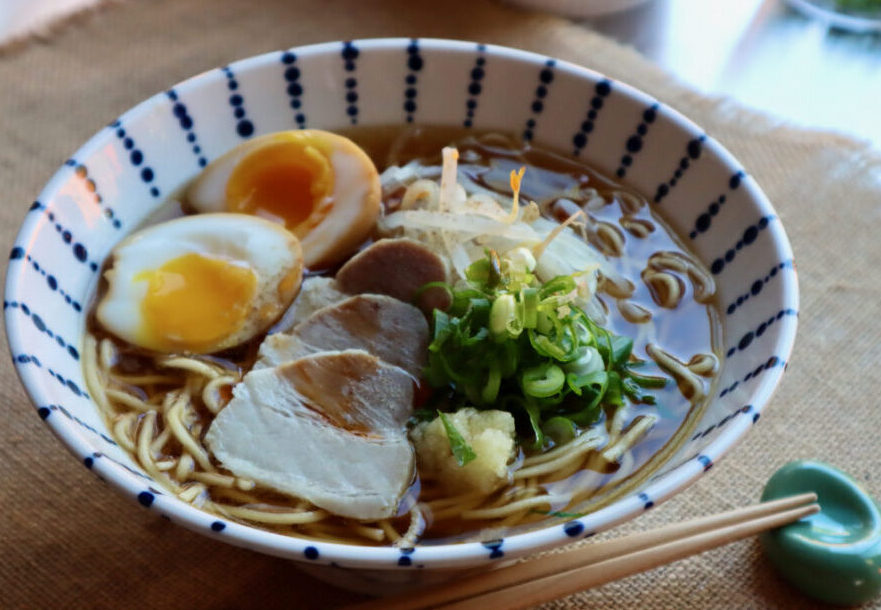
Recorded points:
(121,174)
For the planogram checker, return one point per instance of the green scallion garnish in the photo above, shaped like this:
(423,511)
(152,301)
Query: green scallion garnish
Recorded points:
(509,342)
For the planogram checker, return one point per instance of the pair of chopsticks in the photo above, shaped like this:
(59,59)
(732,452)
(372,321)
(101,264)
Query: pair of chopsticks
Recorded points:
(554,576)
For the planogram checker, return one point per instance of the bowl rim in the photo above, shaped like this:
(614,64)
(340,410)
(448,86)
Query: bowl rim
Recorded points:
(457,554)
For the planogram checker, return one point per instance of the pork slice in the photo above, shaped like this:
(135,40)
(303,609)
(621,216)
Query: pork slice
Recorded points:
(327,428)
(397,267)
(353,389)
(315,292)
(386,327)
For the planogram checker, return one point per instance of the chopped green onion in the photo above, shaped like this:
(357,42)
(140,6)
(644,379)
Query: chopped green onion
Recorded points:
(478,271)
(428,286)
(545,347)
(529,306)
(443,329)
(621,347)
(589,361)
(491,390)
(534,413)
(543,380)
(645,381)
(596,381)
(632,390)
(478,310)
(503,317)
(561,373)
(614,390)
(560,429)
(591,388)
(544,322)
(508,358)
(560,284)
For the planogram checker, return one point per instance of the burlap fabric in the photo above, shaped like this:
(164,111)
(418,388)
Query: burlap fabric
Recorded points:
(69,541)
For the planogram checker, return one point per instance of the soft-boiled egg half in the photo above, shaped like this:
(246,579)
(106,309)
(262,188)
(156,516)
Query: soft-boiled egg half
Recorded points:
(200,284)
(321,186)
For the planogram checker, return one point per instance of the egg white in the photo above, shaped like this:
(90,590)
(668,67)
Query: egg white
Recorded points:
(266,248)
(348,217)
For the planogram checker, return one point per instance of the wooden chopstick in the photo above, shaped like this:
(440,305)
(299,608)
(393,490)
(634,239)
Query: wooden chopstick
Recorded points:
(532,582)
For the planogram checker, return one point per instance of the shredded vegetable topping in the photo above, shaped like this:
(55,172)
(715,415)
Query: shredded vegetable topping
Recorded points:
(460,223)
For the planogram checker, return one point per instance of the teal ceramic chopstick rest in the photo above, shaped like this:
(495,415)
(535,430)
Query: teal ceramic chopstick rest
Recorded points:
(835,554)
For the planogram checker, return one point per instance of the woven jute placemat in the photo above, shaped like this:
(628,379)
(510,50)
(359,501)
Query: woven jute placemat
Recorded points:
(69,541)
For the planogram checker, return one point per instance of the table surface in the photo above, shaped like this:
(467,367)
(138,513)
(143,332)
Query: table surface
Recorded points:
(76,544)
(763,54)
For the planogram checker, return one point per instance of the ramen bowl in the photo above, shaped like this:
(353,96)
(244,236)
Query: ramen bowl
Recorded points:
(111,184)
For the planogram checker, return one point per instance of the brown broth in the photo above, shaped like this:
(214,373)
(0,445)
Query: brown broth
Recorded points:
(688,329)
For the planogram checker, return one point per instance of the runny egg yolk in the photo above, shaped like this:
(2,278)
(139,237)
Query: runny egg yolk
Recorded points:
(193,302)
(288,181)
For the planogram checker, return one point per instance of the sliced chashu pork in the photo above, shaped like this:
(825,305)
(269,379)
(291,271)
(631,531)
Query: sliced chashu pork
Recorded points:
(315,292)
(328,428)
(395,267)
(384,326)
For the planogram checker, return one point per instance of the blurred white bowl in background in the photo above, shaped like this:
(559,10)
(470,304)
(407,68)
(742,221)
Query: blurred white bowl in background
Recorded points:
(578,8)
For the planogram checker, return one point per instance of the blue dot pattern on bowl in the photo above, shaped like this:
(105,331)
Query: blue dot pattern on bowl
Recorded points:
(693,153)
(72,244)
(82,172)
(703,221)
(749,236)
(723,422)
(244,127)
(771,363)
(545,78)
(146,498)
(79,251)
(40,325)
(415,62)
(477,74)
(573,529)
(756,286)
(747,339)
(293,86)
(135,157)
(350,55)
(58,341)
(121,464)
(179,110)
(46,411)
(635,141)
(495,548)
(705,461)
(51,281)
(601,91)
